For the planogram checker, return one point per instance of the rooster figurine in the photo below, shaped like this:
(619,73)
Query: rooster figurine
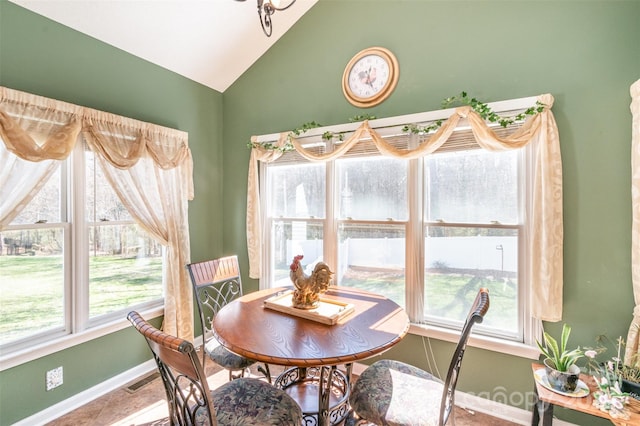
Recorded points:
(308,288)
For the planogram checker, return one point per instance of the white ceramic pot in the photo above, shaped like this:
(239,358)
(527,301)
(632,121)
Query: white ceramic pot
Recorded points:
(563,381)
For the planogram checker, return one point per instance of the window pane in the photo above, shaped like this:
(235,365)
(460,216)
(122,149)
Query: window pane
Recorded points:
(459,261)
(125,268)
(31,282)
(372,257)
(102,202)
(297,190)
(373,188)
(289,239)
(45,206)
(472,187)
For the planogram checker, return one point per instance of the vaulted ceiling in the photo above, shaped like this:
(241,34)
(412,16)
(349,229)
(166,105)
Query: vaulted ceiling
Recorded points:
(212,42)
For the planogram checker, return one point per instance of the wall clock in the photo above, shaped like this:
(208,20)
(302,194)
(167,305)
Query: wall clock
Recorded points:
(370,77)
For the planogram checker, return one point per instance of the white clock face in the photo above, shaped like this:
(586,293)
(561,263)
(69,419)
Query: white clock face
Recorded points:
(368,76)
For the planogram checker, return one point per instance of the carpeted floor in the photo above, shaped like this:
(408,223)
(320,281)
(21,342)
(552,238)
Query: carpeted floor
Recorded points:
(142,403)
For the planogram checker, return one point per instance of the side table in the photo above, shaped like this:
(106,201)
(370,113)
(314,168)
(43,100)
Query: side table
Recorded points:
(546,399)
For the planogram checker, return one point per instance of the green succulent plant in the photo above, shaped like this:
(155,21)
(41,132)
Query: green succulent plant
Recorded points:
(561,357)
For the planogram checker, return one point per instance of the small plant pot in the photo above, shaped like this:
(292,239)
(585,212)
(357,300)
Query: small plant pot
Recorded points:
(632,388)
(563,381)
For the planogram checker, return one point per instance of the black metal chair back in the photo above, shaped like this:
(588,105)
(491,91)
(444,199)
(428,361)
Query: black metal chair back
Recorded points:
(393,392)
(215,283)
(476,315)
(185,383)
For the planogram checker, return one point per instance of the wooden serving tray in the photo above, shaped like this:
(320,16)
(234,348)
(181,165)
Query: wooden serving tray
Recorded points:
(328,312)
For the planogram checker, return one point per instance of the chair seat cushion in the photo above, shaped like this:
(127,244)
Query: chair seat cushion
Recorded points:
(252,402)
(226,359)
(394,393)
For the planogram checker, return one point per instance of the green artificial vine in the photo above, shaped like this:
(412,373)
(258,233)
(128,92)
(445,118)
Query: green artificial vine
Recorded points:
(306,126)
(480,108)
(271,146)
(328,135)
(359,118)
(486,113)
(415,129)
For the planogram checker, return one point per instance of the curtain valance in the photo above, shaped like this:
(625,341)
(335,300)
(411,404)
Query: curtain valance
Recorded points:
(546,242)
(148,166)
(120,140)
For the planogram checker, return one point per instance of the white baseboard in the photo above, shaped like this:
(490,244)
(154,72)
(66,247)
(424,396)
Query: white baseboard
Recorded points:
(63,407)
(464,400)
(499,410)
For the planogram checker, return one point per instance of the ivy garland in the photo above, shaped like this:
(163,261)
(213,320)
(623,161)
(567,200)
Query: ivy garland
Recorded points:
(482,109)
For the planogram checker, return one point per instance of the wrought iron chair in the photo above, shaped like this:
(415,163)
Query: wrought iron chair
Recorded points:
(215,283)
(393,393)
(191,402)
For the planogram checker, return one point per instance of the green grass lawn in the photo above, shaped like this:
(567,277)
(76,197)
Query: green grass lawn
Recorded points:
(448,293)
(32,290)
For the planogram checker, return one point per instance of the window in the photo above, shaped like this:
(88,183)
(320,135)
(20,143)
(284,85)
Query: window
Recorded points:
(371,223)
(61,272)
(472,228)
(73,260)
(32,267)
(426,232)
(296,211)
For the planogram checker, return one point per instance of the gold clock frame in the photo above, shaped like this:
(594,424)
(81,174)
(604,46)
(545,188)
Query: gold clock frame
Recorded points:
(394,74)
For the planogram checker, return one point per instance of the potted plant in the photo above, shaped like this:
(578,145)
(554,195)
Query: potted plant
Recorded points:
(610,395)
(630,376)
(626,374)
(560,362)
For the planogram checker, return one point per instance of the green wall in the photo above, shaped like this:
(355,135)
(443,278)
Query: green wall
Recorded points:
(42,57)
(584,53)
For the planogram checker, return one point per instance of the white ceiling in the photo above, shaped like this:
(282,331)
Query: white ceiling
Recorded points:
(209,41)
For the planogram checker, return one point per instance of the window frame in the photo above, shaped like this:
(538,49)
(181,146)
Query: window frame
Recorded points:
(530,327)
(78,326)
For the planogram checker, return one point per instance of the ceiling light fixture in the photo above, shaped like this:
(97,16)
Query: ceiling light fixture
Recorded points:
(266,8)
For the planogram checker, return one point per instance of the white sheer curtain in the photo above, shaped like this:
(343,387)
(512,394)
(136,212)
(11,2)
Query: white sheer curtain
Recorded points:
(546,243)
(632,348)
(149,167)
(38,133)
(143,165)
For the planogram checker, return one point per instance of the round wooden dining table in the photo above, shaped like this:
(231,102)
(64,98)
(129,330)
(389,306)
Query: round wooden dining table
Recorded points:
(312,349)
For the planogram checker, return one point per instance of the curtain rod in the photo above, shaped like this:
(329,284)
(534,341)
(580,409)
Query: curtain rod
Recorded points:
(421,117)
(17,97)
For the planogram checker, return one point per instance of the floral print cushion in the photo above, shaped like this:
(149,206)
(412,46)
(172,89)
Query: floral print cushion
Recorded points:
(250,402)
(394,393)
(226,359)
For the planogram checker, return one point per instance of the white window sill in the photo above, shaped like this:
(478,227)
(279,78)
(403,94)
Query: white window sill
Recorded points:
(477,341)
(48,347)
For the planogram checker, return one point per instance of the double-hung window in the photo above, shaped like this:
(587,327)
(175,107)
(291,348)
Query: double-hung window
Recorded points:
(426,232)
(473,225)
(74,258)
(93,224)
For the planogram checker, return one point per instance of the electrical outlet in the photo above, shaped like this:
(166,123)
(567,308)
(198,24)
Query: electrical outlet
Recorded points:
(54,378)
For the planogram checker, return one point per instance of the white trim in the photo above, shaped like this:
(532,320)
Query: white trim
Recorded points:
(47,347)
(84,397)
(491,404)
(421,117)
(497,409)
(502,346)
(520,342)
(464,400)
